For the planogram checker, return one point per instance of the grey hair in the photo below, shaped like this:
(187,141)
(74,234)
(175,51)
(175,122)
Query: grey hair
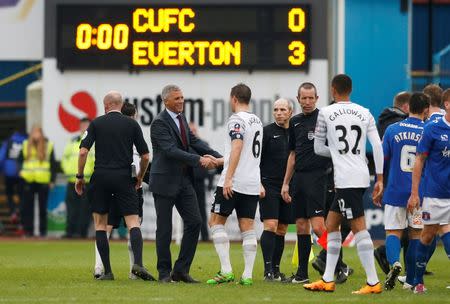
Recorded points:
(289,102)
(168,89)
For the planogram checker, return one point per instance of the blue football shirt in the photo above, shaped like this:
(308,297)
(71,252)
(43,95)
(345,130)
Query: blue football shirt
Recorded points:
(399,145)
(436,145)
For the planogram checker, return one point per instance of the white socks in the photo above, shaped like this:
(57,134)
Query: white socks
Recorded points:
(365,252)
(130,253)
(249,247)
(98,261)
(333,250)
(222,245)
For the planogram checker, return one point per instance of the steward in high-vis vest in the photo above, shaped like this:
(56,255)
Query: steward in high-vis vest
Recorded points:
(78,211)
(38,172)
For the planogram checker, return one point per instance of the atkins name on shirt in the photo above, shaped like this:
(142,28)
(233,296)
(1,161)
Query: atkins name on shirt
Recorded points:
(340,112)
(407,136)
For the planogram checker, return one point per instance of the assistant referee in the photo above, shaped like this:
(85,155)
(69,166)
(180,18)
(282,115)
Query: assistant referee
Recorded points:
(114,136)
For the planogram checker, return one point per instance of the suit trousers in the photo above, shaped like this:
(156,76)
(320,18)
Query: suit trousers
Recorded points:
(185,201)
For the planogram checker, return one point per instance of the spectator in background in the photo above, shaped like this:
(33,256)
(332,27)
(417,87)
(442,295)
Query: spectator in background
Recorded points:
(200,174)
(394,114)
(435,93)
(9,166)
(389,116)
(78,211)
(38,172)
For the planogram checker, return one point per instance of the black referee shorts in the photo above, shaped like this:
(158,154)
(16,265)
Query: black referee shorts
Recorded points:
(309,194)
(244,204)
(349,202)
(115,217)
(106,183)
(272,206)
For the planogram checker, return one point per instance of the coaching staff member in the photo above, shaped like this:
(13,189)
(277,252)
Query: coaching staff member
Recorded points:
(171,181)
(275,212)
(114,135)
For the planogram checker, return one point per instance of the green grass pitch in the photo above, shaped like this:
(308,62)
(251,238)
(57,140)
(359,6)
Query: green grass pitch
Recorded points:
(61,272)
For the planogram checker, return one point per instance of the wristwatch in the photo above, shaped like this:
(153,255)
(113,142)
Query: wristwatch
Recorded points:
(79,176)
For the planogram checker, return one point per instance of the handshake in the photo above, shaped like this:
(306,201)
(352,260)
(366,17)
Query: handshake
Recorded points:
(210,162)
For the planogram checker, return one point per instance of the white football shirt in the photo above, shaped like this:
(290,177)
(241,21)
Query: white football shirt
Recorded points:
(347,126)
(248,127)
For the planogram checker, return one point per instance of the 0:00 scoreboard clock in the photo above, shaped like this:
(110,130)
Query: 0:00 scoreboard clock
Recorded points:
(183,37)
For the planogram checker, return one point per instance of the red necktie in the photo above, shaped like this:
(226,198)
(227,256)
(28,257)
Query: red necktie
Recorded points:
(182,131)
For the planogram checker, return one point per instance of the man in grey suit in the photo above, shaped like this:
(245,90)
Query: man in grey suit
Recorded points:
(171,181)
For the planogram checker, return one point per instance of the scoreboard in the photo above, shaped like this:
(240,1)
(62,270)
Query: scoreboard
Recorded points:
(192,37)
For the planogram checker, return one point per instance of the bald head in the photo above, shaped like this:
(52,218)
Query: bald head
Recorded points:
(113,101)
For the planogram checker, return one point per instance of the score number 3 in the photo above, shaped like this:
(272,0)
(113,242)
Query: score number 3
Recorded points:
(296,23)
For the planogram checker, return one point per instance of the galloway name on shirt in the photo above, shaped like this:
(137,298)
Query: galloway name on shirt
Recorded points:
(340,112)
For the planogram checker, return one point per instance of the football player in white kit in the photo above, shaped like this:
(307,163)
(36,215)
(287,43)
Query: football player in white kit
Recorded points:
(239,186)
(346,126)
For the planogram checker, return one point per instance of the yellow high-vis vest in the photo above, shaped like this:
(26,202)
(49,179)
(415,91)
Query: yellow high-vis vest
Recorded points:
(69,161)
(34,170)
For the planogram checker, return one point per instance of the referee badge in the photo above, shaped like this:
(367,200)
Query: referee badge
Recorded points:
(311,135)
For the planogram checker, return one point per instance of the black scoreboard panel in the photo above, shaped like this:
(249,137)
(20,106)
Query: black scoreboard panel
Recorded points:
(181,37)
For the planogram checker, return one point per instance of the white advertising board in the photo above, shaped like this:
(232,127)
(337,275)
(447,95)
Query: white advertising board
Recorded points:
(21,30)
(71,95)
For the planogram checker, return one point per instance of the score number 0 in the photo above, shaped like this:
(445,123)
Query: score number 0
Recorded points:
(296,23)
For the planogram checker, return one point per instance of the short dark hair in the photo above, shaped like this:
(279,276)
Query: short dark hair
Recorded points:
(128,109)
(435,93)
(446,96)
(418,103)
(307,86)
(242,93)
(342,84)
(85,119)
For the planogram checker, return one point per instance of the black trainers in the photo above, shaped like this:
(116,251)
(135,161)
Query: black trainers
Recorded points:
(319,265)
(279,276)
(380,256)
(106,277)
(295,279)
(396,269)
(268,277)
(343,274)
(142,273)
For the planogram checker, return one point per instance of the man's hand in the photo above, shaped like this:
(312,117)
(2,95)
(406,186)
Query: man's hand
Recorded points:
(262,192)
(208,162)
(377,193)
(51,186)
(227,189)
(285,194)
(79,186)
(138,183)
(413,203)
(218,161)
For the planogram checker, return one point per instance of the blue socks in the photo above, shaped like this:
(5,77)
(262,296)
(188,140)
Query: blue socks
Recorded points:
(432,248)
(411,261)
(392,249)
(422,255)
(446,240)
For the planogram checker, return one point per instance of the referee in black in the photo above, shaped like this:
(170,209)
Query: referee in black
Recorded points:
(309,182)
(275,212)
(114,136)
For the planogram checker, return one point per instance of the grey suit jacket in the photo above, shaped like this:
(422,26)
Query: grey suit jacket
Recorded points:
(170,157)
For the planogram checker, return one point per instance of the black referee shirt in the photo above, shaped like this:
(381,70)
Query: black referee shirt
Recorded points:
(114,135)
(301,140)
(274,155)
